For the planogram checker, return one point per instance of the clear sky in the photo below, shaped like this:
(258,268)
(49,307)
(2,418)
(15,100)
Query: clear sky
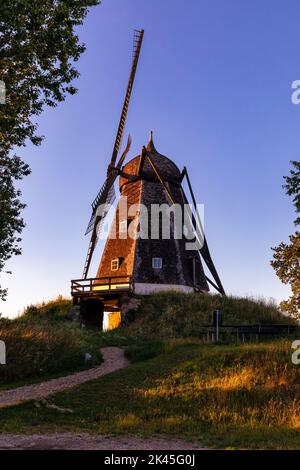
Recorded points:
(214,84)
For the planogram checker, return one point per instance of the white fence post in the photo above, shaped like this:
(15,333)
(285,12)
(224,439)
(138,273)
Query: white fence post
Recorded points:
(2,353)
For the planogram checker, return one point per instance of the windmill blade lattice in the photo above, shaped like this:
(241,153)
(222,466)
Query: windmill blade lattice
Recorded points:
(108,200)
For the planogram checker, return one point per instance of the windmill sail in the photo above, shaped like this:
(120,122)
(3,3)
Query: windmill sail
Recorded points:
(137,44)
(204,250)
(109,199)
(106,194)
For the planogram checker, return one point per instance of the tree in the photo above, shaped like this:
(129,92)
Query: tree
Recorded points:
(11,224)
(286,258)
(286,262)
(38,49)
(292,187)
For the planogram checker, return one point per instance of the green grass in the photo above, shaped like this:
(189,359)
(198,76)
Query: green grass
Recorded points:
(223,396)
(43,343)
(174,314)
(52,311)
(244,396)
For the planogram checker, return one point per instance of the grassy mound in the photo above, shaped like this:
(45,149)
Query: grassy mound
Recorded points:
(174,314)
(54,310)
(43,342)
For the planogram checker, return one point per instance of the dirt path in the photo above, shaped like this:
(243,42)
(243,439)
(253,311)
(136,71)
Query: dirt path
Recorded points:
(72,441)
(113,359)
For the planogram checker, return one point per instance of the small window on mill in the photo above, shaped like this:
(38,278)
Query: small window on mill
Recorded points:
(157,263)
(123,226)
(114,266)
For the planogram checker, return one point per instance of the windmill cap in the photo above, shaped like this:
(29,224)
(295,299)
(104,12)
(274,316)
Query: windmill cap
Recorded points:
(166,168)
(150,146)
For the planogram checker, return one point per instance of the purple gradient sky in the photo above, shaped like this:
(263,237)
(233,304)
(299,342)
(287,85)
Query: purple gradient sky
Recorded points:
(214,84)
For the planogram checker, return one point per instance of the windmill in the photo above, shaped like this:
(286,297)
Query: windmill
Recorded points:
(134,264)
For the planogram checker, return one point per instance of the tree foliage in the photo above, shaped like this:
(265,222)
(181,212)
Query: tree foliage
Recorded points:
(11,224)
(286,258)
(38,49)
(287,266)
(292,187)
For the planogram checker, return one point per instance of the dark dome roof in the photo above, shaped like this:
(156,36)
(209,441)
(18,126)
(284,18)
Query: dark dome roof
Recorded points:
(167,169)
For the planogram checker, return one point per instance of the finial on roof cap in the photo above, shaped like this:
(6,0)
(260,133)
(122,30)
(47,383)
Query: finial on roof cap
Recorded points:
(150,146)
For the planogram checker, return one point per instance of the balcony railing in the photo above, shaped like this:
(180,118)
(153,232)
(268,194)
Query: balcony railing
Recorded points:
(96,285)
